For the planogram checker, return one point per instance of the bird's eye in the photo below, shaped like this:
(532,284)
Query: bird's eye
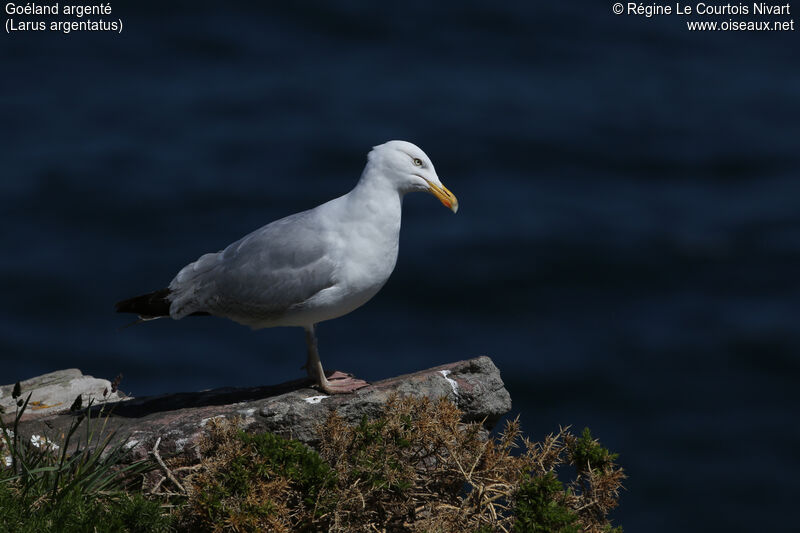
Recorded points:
(418,161)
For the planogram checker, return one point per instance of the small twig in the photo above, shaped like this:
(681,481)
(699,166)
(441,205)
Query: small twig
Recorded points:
(190,467)
(478,458)
(157,485)
(492,511)
(169,506)
(170,493)
(163,465)
(446,506)
(502,488)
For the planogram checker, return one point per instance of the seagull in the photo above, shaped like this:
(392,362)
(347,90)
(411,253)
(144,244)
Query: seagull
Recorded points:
(309,267)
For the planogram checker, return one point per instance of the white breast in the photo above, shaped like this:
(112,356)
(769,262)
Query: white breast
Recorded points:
(364,246)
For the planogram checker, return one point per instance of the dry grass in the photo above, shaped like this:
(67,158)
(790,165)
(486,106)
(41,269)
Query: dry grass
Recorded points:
(416,468)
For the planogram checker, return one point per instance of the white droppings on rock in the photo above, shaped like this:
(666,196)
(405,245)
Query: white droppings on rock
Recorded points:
(131,444)
(453,383)
(315,399)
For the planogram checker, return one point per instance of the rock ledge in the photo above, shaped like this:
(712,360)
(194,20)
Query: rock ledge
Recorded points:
(291,409)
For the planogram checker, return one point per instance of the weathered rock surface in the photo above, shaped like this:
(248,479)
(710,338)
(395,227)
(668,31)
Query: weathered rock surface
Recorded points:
(54,392)
(291,409)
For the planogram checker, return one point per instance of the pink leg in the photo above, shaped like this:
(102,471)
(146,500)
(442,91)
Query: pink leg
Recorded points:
(337,382)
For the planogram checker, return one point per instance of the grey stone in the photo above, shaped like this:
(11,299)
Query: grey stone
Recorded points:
(292,409)
(56,391)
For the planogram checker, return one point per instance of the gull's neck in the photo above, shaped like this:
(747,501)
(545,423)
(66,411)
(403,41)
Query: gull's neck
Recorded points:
(375,194)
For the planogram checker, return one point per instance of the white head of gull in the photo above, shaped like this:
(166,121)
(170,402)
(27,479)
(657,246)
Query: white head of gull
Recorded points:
(308,267)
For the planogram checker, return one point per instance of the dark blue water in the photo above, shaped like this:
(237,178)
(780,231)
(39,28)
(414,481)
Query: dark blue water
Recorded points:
(627,249)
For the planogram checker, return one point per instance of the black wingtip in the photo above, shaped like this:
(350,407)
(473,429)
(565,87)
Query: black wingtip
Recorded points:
(149,306)
(153,304)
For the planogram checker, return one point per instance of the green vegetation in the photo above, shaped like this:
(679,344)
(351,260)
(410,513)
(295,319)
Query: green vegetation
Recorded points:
(256,482)
(541,507)
(414,468)
(22,512)
(587,454)
(78,484)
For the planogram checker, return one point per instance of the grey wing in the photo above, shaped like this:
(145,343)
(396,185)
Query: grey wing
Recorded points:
(261,276)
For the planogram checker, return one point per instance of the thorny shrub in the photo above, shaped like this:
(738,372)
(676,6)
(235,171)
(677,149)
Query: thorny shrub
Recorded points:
(415,468)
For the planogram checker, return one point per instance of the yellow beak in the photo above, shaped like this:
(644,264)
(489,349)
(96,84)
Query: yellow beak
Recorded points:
(447,198)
